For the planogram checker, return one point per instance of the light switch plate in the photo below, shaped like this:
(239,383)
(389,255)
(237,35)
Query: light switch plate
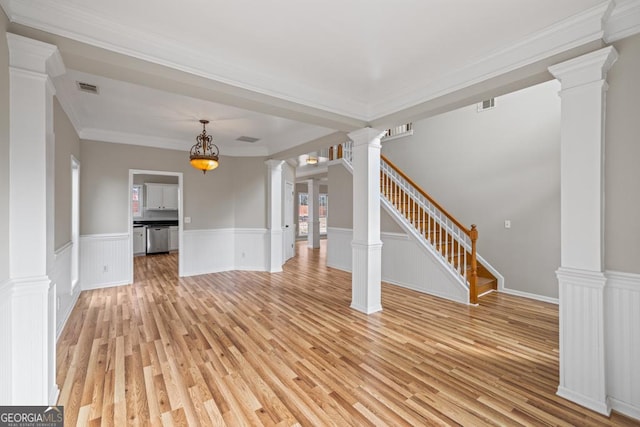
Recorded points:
(187,220)
(507,223)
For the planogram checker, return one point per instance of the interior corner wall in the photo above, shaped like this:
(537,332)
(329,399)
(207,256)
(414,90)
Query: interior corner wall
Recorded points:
(4,149)
(496,165)
(622,154)
(67,144)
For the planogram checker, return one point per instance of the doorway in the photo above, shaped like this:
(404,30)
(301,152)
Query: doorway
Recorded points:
(155,200)
(289,230)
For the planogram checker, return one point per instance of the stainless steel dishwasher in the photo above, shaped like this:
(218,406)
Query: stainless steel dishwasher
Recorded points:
(157,239)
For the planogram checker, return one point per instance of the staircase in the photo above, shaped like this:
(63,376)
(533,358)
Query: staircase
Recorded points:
(453,244)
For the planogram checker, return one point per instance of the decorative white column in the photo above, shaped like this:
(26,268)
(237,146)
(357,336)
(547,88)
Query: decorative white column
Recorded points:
(274,216)
(313,200)
(580,276)
(31,178)
(366,245)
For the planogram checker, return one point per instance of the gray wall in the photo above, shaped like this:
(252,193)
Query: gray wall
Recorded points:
(4,149)
(67,144)
(233,195)
(496,165)
(622,160)
(341,202)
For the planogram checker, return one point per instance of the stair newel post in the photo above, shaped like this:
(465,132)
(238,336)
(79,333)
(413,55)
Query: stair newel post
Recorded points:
(339,151)
(473,280)
(331,153)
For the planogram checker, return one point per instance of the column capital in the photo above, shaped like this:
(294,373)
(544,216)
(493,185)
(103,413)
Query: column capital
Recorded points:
(34,55)
(274,164)
(366,136)
(585,69)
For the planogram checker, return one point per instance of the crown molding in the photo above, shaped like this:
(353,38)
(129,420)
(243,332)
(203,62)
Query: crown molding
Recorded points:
(624,21)
(34,55)
(59,19)
(103,135)
(572,32)
(610,20)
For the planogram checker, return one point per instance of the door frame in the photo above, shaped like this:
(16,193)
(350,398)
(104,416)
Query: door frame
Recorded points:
(133,172)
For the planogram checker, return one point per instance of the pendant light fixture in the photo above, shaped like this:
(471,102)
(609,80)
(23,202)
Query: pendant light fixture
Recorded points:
(204,154)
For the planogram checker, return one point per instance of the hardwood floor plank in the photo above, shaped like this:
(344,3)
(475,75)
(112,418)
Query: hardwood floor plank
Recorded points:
(253,348)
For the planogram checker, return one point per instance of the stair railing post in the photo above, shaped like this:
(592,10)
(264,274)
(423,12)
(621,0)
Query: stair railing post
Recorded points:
(473,280)
(331,153)
(339,151)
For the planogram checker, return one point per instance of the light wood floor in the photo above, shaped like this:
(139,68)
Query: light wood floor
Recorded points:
(245,348)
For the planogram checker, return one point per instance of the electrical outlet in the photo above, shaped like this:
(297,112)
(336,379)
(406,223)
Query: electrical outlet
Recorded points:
(187,220)
(507,223)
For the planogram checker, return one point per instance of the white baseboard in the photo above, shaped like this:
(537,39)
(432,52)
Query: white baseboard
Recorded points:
(625,408)
(64,316)
(529,295)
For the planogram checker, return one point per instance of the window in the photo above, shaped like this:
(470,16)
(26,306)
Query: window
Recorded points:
(136,201)
(303,213)
(324,209)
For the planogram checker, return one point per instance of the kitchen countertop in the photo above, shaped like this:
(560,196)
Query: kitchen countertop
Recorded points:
(161,222)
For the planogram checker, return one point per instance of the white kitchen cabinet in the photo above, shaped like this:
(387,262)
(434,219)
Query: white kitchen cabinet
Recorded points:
(162,196)
(173,238)
(139,241)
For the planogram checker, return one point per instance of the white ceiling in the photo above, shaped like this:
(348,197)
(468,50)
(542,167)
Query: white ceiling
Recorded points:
(358,59)
(126,112)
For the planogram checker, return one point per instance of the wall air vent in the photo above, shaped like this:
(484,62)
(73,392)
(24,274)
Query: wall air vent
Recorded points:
(87,87)
(247,139)
(486,104)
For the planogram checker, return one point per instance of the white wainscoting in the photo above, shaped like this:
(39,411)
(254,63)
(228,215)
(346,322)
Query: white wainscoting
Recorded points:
(212,251)
(104,260)
(61,277)
(622,340)
(5,349)
(250,250)
(404,263)
(208,251)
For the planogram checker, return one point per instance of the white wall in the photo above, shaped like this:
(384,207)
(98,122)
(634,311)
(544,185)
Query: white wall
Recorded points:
(496,165)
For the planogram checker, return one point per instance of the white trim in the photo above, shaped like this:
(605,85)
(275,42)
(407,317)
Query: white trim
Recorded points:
(64,317)
(529,295)
(624,21)
(62,248)
(624,408)
(621,280)
(569,33)
(603,408)
(180,176)
(104,236)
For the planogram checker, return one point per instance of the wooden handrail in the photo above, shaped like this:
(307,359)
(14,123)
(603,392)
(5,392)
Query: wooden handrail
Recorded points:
(421,191)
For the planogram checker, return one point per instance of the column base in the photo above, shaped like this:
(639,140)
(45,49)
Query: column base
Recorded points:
(276,244)
(581,309)
(366,280)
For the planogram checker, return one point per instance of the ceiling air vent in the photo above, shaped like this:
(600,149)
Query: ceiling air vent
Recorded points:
(87,87)
(486,104)
(247,139)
